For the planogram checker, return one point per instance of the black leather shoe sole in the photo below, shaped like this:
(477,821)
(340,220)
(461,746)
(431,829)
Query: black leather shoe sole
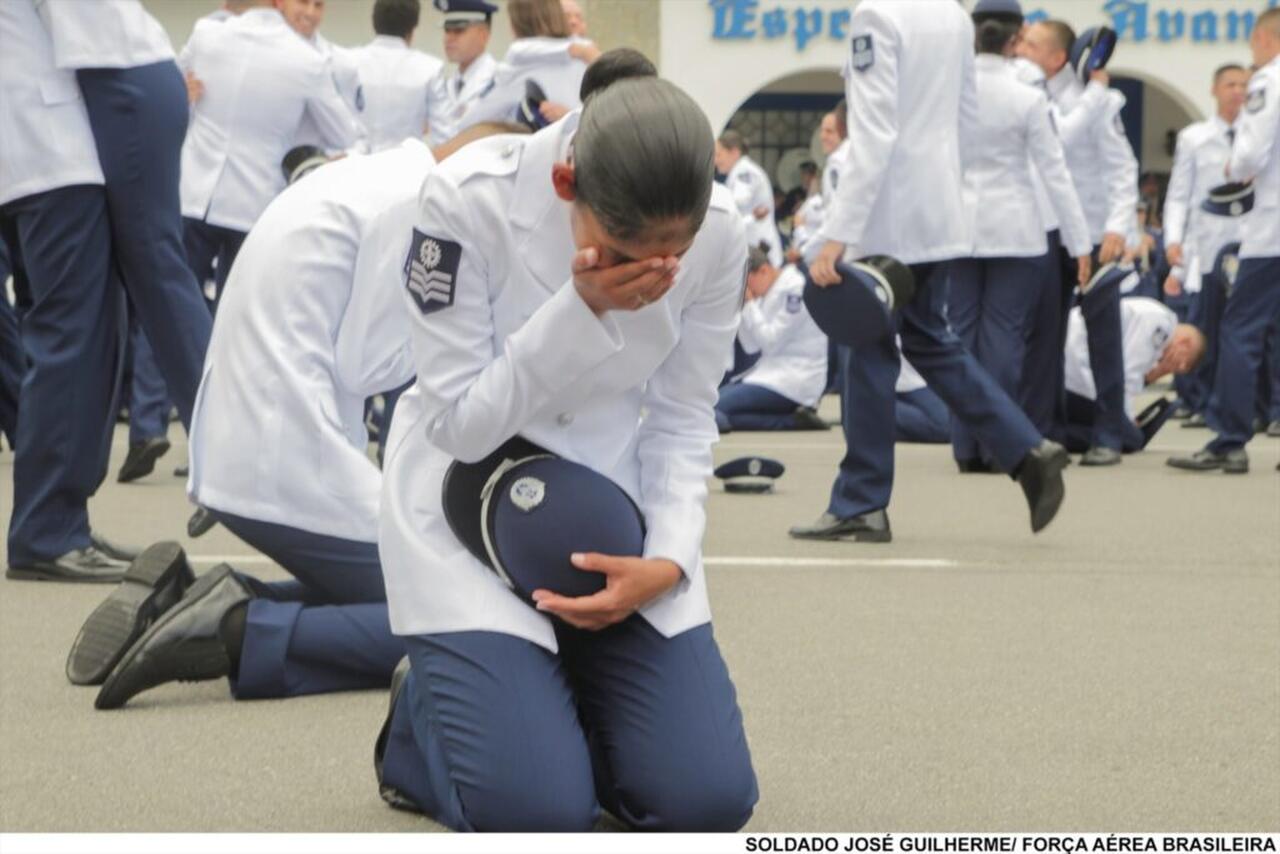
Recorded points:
(198,659)
(53,572)
(154,583)
(144,462)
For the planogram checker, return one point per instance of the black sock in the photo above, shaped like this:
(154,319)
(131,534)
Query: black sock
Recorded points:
(231,631)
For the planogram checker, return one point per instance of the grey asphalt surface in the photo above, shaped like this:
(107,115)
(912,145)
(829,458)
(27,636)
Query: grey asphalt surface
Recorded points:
(1120,671)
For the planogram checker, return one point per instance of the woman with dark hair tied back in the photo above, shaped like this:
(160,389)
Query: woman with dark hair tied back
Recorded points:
(578,290)
(994,293)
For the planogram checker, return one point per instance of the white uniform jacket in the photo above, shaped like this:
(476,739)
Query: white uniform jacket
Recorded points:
(1146,326)
(913,106)
(455,93)
(1199,165)
(751,189)
(346,79)
(518,352)
(545,61)
(1100,158)
(793,350)
(45,138)
(810,241)
(260,78)
(398,89)
(311,323)
(1256,157)
(1014,137)
(909,378)
(103,34)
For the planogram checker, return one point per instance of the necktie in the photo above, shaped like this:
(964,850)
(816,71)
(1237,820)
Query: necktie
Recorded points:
(458,85)
(1231,136)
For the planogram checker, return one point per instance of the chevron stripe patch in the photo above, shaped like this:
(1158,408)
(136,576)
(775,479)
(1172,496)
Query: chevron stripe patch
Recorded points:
(431,271)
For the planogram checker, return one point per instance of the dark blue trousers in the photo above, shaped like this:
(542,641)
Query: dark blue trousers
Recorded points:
(1076,433)
(325,631)
(494,733)
(148,395)
(1205,313)
(1041,392)
(744,406)
(1269,378)
(72,335)
(868,402)
(1252,310)
(922,417)
(1100,308)
(211,250)
(1187,385)
(139,119)
(13,362)
(989,306)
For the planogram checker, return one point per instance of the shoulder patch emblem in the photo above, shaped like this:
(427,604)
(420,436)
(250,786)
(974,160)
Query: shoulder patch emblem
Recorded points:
(431,271)
(864,53)
(1257,100)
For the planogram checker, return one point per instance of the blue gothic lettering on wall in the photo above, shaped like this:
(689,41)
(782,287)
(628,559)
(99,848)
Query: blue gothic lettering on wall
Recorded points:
(1204,22)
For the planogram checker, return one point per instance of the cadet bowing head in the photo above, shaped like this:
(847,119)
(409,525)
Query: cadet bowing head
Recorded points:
(760,273)
(640,172)
(1185,349)
(620,63)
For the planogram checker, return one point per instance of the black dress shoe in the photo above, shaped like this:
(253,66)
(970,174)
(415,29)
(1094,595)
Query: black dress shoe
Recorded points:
(141,460)
(1040,475)
(1181,412)
(870,527)
(182,471)
(200,523)
(1100,456)
(184,645)
(113,550)
(1273,429)
(806,418)
(393,796)
(87,565)
(154,584)
(1195,421)
(1232,462)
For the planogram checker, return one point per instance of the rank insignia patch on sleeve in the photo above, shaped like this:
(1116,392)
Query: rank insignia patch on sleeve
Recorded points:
(431,271)
(864,53)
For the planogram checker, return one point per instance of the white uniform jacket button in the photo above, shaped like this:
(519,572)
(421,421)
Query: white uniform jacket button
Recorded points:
(564,419)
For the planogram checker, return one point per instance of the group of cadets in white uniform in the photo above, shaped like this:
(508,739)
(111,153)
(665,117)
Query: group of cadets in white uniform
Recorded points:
(495,273)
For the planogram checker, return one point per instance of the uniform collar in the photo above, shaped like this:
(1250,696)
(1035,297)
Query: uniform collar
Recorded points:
(538,216)
(393,42)
(483,66)
(1220,124)
(262,14)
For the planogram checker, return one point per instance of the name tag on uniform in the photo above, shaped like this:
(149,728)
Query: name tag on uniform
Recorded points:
(864,53)
(1257,100)
(794,303)
(431,272)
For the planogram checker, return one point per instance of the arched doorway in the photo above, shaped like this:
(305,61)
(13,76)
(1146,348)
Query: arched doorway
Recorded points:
(780,121)
(1153,115)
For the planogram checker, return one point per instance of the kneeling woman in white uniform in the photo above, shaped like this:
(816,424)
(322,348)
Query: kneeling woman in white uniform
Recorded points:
(310,326)
(782,389)
(586,288)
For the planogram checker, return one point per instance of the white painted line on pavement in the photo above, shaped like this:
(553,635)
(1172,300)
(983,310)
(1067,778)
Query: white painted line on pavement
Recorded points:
(817,562)
(710,560)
